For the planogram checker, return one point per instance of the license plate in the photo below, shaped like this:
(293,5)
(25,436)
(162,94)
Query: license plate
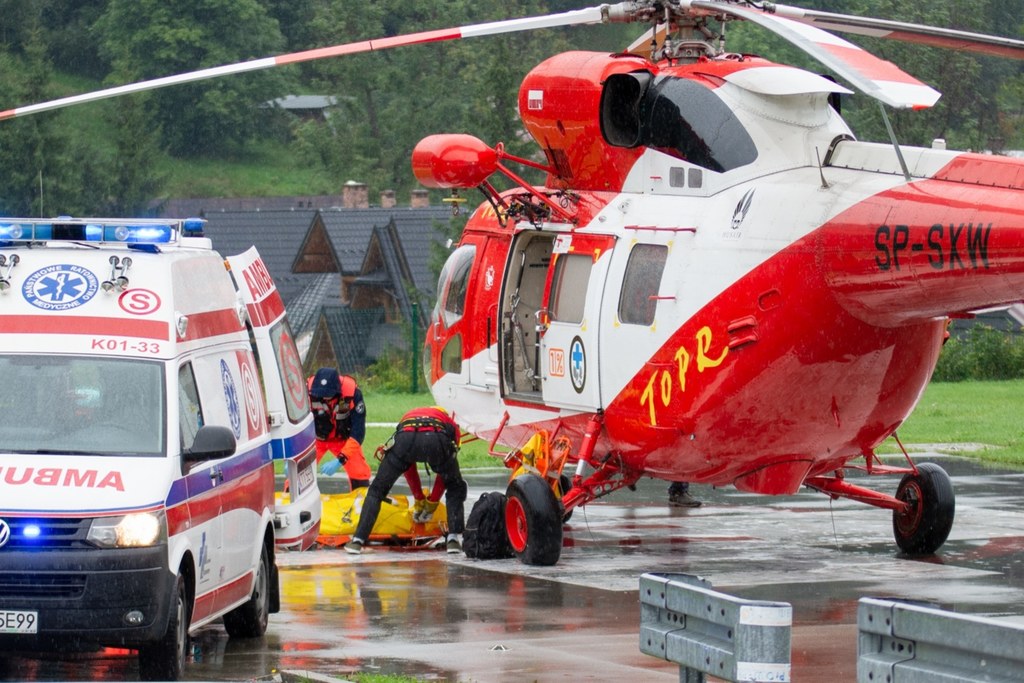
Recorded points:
(18,622)
(305,477)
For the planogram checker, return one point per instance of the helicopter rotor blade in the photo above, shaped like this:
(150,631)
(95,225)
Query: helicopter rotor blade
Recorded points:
(591,15)
(932,36)
(871,75)
(644,45)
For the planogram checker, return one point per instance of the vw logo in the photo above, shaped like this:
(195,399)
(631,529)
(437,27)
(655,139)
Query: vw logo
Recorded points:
(5,533)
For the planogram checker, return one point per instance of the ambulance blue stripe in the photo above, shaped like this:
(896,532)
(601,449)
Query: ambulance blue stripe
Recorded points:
(295,445)
(198,481)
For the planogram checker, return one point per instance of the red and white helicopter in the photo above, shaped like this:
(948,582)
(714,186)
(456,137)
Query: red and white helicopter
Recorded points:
(717,283)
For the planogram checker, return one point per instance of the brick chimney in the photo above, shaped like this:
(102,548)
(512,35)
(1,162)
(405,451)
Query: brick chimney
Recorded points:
(420,199)
(355,195)
(387,199)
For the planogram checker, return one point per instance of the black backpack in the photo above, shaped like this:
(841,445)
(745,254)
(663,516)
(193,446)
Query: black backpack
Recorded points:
(485,537)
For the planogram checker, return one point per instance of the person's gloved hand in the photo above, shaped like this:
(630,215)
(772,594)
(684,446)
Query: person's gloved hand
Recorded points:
(425,512)
(330,467)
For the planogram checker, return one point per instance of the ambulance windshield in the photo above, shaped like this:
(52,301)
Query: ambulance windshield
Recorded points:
(81,406)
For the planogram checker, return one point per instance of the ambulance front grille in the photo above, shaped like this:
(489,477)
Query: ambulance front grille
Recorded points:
(54,533)
(47,586)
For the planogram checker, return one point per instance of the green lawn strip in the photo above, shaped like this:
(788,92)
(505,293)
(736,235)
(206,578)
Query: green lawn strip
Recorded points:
(977,419)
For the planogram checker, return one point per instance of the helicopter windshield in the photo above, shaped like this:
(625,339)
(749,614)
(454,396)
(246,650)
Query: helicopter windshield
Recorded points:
(676,116)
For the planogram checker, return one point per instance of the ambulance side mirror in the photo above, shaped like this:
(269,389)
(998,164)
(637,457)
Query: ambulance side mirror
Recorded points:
(211,442)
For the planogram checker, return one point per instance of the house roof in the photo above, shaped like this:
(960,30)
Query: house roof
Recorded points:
(418,229)
(351,331)
(277,235)
(302,102)
(304,308)
(350,230)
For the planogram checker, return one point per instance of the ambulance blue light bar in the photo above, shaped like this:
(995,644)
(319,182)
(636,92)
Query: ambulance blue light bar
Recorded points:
(154,232)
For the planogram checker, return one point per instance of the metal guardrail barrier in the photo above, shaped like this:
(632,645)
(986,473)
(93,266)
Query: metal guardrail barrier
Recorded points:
(682,620)
(900,642)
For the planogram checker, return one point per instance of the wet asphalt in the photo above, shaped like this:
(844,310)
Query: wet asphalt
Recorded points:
(423,613)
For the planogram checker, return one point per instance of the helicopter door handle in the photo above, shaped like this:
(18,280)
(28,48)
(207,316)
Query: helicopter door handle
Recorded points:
(543,321)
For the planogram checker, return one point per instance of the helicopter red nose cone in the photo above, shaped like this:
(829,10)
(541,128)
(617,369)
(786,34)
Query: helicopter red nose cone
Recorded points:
(453,160)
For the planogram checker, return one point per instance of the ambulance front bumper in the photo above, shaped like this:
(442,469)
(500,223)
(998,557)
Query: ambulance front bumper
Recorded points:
(82,598)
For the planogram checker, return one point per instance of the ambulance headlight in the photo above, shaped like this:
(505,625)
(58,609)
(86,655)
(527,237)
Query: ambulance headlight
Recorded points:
(137,530)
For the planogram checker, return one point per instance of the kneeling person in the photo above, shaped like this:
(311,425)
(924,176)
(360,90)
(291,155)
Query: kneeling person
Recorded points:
(423,435)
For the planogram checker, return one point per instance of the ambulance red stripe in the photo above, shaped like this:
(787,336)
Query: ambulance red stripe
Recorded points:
(212,324)
(219,599)
(267,310)
(83,324)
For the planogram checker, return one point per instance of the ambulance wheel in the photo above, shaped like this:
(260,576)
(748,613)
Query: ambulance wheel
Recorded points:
(923,527)
(164,660)
(249,620)
(533,519)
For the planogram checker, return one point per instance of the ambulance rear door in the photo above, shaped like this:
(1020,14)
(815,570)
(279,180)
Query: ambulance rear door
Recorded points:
(297,515)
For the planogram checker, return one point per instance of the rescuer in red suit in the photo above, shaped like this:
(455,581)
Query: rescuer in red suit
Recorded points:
(427,435)
(340,417)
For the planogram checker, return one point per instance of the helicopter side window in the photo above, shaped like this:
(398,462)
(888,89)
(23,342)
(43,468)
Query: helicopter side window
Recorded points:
(451,355)
(637,301)
(454,282)
(569,287)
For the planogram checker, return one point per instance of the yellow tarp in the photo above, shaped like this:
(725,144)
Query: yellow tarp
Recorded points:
(340,516)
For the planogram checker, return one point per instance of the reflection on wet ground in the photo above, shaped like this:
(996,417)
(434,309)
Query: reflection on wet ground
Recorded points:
(435,617)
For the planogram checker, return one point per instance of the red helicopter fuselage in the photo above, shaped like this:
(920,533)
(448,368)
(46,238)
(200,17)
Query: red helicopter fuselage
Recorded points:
(733,290)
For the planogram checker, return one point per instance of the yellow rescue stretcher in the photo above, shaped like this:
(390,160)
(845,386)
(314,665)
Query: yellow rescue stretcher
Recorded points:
(340,512)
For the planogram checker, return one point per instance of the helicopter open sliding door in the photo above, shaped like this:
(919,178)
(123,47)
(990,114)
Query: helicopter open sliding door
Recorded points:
(522,301)
(571,321)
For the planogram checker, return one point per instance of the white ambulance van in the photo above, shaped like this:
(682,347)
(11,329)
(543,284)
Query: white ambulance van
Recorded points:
(147,389)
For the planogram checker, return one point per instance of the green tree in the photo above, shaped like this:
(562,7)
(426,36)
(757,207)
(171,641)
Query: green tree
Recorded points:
(151,38)
(43,169)
(136,180)
(393,98)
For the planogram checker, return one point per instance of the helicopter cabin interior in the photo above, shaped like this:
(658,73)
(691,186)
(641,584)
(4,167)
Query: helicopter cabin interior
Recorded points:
(521,307)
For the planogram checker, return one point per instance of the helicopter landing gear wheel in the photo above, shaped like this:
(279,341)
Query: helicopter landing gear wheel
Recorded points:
(533,518)
(923,527)
(564,484)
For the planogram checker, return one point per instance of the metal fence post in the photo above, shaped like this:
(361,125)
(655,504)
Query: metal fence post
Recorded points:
(682,620)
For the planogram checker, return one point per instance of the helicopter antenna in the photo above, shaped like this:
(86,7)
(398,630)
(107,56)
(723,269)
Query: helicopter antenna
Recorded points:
(895,143)
(821,170)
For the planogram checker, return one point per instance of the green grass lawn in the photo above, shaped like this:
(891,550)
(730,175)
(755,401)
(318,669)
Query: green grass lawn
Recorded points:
(986,413)
(389,408)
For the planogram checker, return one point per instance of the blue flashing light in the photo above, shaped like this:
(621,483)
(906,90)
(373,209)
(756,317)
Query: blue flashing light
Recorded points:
(193,227)
(31,531)
(138,234)
(20,230)
(15,231)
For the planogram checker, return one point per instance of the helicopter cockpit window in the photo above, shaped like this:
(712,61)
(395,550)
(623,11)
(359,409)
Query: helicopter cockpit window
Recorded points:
(637,302)
(569,287)
(453,283)
(676,116)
